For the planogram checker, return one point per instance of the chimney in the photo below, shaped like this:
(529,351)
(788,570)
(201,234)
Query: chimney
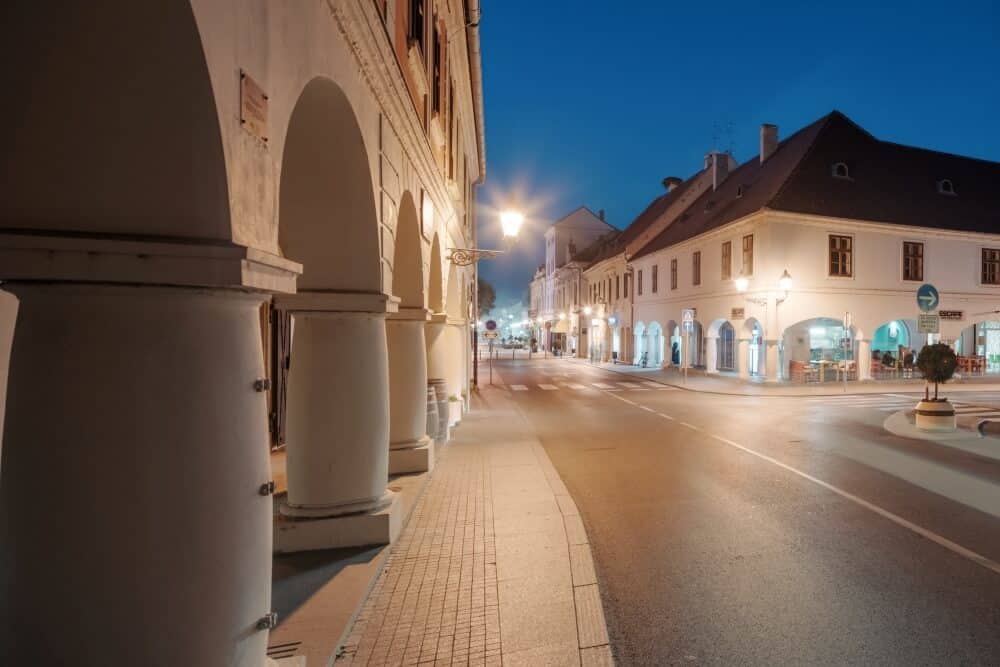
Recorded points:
(600,214)
(768,141)
(720,168)
(671,182)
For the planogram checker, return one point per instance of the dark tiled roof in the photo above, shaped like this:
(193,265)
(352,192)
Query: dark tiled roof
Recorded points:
(888,183)
(600,249)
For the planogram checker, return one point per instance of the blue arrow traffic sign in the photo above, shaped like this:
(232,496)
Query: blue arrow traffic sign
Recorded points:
(927,298)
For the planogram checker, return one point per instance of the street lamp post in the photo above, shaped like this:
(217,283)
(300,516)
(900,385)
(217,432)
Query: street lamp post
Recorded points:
(510,223)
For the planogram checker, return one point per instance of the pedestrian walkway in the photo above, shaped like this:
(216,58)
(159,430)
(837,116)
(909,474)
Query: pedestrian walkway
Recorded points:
(605,386)
(494,566)
(726,384)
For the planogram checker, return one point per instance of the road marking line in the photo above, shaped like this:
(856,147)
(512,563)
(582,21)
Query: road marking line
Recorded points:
(690,426)
(548,387)
(665,416)
(577,386)
(518,387)
(895,518)
(601,385)
(646,409)
(629,385)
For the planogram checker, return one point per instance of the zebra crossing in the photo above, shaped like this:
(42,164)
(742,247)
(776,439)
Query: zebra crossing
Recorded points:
(604,386)
(965,405)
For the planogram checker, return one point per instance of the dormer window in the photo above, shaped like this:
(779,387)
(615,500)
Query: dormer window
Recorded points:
(946,187)
(840,170)
(739,191)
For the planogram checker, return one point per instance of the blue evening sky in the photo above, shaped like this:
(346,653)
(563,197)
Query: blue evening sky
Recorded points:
(595,102)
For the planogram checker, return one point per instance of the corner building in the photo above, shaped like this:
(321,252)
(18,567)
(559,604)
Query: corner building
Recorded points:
(224,228)
(857,224)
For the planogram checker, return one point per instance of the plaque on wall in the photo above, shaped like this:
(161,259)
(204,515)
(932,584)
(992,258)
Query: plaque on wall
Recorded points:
(253,107)
(737,314)
(951,314)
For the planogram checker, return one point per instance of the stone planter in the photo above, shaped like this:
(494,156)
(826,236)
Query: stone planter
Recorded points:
(935,415)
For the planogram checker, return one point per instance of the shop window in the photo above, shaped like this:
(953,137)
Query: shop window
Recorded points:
(913,261)
(841,260)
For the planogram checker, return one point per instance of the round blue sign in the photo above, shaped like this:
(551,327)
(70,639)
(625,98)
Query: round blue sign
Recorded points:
(927,298)
(491,325)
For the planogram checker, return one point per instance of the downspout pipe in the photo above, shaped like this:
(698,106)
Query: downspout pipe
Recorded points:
(473,14)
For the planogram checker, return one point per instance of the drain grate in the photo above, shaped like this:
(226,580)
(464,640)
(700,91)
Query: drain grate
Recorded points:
(283,650)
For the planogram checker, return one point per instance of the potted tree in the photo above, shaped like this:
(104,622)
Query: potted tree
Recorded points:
(937,363)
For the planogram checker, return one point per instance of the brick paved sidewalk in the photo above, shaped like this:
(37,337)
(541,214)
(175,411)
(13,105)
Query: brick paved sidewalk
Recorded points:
(493,567)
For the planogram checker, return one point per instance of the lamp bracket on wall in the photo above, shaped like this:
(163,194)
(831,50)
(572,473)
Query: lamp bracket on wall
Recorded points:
(467,256)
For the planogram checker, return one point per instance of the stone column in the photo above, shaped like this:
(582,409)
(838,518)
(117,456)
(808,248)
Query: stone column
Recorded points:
(338,424)
(711,354)
(410,449)
(864,359)
(455,344)
(437,347)
(773,373)
(135,520)
(743,350)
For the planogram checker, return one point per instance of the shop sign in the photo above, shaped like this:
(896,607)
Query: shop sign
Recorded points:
(737,314)
(951,314)
(928,323)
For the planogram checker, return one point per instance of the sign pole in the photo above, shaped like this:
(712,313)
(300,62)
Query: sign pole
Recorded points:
(491,361)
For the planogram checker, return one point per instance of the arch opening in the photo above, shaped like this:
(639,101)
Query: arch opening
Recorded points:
(408,261)
(327,218)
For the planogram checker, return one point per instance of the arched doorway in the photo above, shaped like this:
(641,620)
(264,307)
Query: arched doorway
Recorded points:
(751,349)
(726,348)
(338,389)
(815,348)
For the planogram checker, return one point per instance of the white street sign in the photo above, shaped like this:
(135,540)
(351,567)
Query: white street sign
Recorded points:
(928,323)
(491,334)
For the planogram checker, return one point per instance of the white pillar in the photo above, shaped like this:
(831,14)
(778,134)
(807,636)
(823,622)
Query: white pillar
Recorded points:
(437,347)
(743,349)
(338,425)
(773,369)
(455,344)
(410,450)
(132,522)
(711,354)
(864,359)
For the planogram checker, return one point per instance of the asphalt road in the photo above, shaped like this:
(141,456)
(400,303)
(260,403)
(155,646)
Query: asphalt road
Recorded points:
(771,531)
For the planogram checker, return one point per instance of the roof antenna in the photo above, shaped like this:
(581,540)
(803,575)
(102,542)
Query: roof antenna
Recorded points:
(715,136)
(729,134)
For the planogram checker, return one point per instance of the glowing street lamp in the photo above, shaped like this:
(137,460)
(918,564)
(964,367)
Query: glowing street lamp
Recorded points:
(510,222)
(741,283)
(588,310)
(785,281)
(562,316)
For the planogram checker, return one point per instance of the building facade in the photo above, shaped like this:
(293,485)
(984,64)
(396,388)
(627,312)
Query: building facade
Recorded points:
(558,287)
(238,237)
(801,263)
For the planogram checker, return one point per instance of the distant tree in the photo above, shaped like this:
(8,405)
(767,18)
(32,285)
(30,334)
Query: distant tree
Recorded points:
(937,363)
(487,296)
